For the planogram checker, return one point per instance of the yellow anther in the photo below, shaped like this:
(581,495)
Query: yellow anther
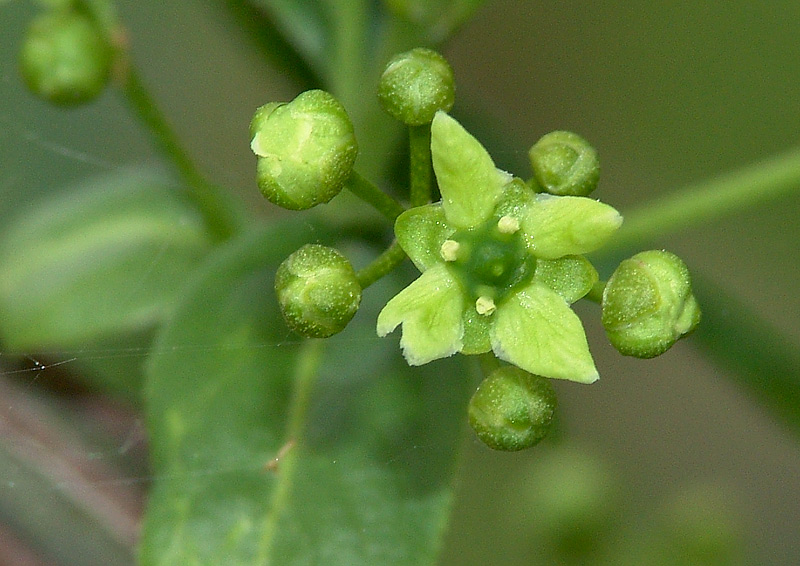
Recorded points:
(508,225)
(485,306)
(449,250)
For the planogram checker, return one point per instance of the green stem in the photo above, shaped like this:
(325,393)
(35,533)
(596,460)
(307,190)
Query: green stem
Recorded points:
(421,169)
(210,200)
(381,265)
(372,195)
(712,199)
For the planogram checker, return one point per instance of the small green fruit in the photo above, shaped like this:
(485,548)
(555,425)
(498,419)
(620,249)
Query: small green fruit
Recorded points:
(648,304)
(317,291)
(415,85)
(512,409)
(565,164)
(306,149)
(65,58)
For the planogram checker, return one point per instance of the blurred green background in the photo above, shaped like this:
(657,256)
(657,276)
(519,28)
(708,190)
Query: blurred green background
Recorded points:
(670,93)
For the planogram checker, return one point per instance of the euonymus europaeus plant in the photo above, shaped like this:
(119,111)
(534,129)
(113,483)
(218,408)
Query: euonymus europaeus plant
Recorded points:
(501,259)
(269,448)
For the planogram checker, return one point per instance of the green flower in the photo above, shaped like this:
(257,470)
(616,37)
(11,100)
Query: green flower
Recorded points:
(500,265)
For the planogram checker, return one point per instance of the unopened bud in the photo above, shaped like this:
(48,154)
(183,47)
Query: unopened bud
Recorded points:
(306,149)
(565,164)
(648,304)
(65,58)
(512,409)
(415,85)
(317,291)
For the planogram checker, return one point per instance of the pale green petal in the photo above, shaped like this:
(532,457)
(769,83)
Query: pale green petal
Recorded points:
(420,232)
(556,226)
(571,276)
(536,330)
(468,179)
(431,311)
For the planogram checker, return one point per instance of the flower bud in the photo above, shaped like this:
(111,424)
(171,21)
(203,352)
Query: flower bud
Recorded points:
(65,58)
(306,149)
(512,409)
(415,85)
(565,164)
(317,291)
(648,304)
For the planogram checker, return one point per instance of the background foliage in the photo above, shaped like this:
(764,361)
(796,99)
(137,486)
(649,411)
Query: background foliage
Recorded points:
(670,94)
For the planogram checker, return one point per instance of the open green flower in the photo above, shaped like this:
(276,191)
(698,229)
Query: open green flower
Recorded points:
(500,265)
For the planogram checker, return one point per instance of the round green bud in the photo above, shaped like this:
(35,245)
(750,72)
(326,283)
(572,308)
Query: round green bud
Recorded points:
(306,149)
(648,304)
(565,164)
(317,291)
(65,58)
(512,409)
(415,85)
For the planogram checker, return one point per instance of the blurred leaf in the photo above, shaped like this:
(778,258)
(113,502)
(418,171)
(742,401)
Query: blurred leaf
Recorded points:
(107,257)
(280,53)
(111,364)
(369,444)
(435,20)
(757,355)
(303,24)
(385,27)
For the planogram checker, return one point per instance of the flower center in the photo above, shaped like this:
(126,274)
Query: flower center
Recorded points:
(489,261)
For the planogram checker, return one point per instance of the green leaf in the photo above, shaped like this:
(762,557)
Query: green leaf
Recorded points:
(369,444)
(105,258)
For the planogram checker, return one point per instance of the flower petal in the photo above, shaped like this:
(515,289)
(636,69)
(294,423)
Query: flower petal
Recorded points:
(557,226)
(536,330)
(431,311)
(468,179)
(571,277)
(420,232)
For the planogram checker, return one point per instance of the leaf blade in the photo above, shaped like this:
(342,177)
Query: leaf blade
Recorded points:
(103,259)
(349,487)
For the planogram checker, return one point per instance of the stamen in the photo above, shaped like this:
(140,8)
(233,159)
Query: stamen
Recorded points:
(508,225)
(449,250)
(485,306)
